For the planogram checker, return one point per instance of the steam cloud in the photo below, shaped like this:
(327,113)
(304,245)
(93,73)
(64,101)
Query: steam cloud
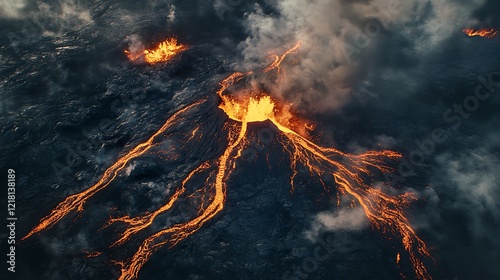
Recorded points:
(350,219)
(11,9)
(344,45)
(360,51)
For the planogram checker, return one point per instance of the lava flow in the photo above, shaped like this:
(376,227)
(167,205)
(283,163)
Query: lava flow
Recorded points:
(75,202)
(162,53)
(352,173)
(487,33)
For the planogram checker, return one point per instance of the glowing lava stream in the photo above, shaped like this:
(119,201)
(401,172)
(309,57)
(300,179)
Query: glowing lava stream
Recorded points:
(76,201)
(279,59)
(179,232)
(163,52)
(487,33)
(352,174)
(137,224)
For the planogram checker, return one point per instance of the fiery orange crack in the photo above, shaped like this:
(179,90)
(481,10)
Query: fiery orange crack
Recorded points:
(487,33)
(278,59)
(136,224)
(162,53)
(179,232)
(75,202)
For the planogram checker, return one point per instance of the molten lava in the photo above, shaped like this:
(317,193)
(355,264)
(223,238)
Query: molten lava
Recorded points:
(75,202)
(352,173)
(162,53)
(278,59)
(487,33)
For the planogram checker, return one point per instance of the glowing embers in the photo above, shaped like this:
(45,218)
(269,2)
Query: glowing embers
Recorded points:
(165,51)
(487,33)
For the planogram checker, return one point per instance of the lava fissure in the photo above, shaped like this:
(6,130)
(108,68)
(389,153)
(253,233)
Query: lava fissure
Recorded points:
(487,33)
(136,224)
(76,201)
(165,51)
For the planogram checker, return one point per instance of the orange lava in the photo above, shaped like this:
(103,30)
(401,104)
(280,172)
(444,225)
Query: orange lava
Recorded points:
(137,224)
(352,173)
(75,202)
(487,33)
(92,254)
(162,53)
(179,232)
(278,59)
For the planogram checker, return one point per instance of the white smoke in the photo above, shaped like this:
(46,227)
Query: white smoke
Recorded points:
(52,19)
(475,175)
(350,219)
(340,40)
(171,14)
(11,9)
(70,16)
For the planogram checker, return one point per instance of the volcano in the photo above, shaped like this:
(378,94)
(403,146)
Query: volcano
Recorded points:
(227,139)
